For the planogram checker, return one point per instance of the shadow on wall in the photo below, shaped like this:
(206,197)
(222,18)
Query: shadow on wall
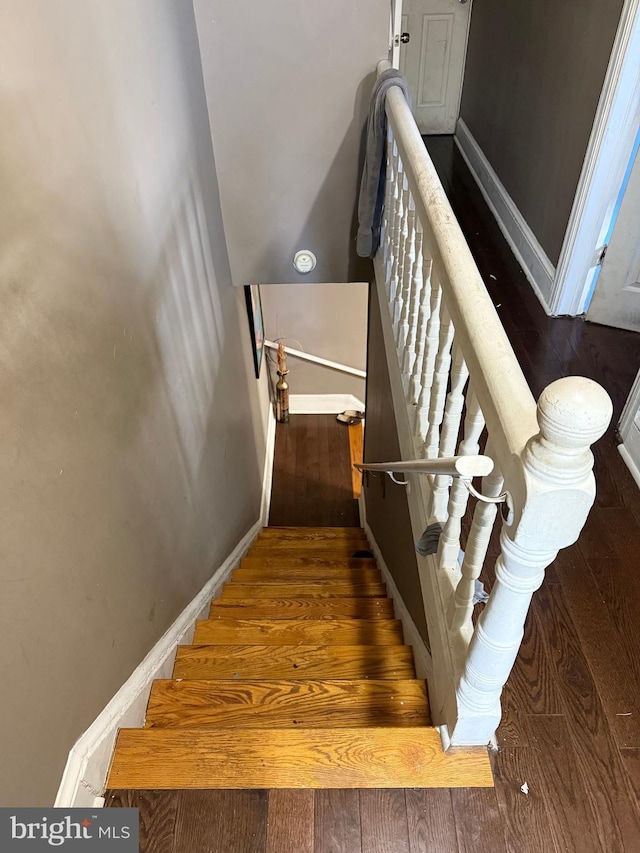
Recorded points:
(126,445)
(319,230)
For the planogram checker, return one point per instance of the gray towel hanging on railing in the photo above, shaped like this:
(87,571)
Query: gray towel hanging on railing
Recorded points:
(371,200)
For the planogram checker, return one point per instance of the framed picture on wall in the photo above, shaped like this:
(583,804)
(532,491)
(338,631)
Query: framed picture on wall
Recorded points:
(256,324)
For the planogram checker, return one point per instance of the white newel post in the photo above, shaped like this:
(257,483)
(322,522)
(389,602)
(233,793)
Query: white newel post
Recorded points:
(552,492)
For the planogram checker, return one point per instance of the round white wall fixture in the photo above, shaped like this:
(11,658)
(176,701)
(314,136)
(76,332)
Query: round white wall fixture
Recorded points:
(304,261)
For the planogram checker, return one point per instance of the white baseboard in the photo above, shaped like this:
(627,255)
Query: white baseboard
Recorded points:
(323,404)
(267,477)
(422,657)
(629,461)
(88,763)
(536,265)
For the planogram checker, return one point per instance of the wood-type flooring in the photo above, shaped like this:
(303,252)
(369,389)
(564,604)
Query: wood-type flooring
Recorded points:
(571,726)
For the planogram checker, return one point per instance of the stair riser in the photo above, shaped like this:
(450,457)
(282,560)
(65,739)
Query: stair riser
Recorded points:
(282,574)
(353,608)
(303,590)
(281,704)
(294,662)
(341,632)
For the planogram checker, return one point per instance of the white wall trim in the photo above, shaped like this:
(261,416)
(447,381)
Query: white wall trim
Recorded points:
(267,477)
(610,147)
(536,265)
(629,461)
(323,404)
(317,359)
(422,657)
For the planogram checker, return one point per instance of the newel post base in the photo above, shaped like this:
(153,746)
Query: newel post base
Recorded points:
(552,490)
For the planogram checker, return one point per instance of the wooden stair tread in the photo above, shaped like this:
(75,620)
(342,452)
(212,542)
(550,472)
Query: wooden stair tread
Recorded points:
(299,662)
(324,534)
(303,608)
(284,574)
(286,702)
(294,549)
(307,563)
(361,757)
(321,589)
(341,632)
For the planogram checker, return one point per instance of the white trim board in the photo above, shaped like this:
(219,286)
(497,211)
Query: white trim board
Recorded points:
(536,265)
(88,763)
(267,477)
(601,180)
(422,657)
(323,404)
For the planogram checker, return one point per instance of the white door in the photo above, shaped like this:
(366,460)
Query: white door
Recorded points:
(433,60)
(616,300)
(630,431)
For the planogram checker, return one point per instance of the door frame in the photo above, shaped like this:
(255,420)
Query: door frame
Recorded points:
(604,172)
(395,26)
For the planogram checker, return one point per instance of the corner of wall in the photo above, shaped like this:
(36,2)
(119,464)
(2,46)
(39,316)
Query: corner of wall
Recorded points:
(537,267)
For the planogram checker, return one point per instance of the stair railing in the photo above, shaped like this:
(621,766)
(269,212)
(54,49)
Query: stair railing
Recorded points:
(455,379)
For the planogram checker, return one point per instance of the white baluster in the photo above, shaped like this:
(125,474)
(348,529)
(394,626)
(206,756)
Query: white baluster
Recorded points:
(439,387)
(552,491)
(449,545)
(388,195)
(397,228)
(402,250)
(429,360)
(450,427)
(421,332)
(408,280)
(411,350)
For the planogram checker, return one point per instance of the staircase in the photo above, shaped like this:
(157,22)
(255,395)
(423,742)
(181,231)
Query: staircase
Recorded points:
(299,678)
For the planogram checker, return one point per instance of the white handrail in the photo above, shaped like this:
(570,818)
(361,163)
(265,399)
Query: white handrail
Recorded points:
(483,340)
(453,373)
(317,359)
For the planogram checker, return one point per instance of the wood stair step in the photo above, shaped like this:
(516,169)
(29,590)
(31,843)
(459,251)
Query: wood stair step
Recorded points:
(292,758)
(294,549)
(308,564)
(303,608)
(320,589)
(319,534)
(287,703)
(262,574)
(241,662)
(339,632)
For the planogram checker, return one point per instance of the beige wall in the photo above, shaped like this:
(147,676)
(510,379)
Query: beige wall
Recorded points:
(292,80)
(386,502)
(131,432)
(329,320)
(534,74)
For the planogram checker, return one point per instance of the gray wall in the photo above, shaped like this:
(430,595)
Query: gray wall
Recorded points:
(534,74)
(292,82)
(131,427)
(329,320)
(386,502)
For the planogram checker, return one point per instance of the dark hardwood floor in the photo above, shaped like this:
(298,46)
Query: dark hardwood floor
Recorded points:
(312,474)
(571,727)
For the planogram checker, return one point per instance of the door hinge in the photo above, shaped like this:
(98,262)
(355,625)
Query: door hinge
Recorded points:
(600,254)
